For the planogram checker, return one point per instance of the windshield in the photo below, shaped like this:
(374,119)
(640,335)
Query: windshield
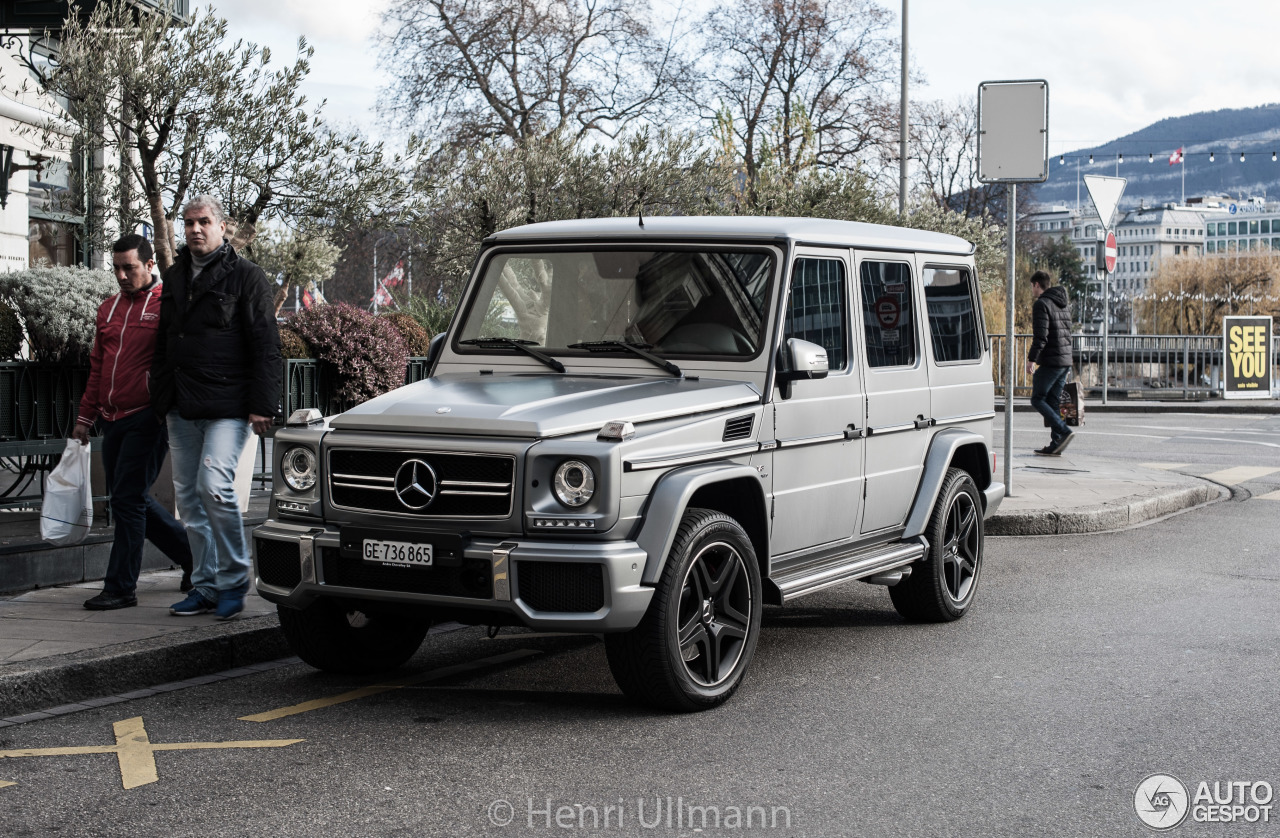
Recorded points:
(677,301)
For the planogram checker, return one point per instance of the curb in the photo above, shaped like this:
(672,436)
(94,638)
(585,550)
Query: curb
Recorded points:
(1116,515)
(205,650)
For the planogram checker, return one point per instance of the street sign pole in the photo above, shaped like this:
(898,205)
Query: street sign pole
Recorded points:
(1013,148)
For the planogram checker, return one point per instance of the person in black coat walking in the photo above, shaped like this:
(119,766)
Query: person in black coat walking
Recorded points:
(1051,351)
(215,377)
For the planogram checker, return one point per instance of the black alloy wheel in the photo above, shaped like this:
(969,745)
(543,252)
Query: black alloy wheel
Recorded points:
(942,586)
(692,647)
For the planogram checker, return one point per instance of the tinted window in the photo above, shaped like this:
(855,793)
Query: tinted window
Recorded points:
(887,314)
(816,311)
(953,315)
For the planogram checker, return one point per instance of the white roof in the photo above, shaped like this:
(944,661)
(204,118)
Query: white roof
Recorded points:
(802,230)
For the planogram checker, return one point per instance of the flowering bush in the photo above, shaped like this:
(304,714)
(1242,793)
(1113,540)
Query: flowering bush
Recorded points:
(10,333)
(416,339)
(59,307)
(364,353)
(292,345)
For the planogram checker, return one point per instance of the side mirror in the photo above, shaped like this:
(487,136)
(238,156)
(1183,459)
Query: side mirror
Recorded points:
(433,351)
(800,360)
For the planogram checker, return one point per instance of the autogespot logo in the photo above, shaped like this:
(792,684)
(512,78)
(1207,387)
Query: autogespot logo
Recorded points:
(1161,801)
(415,484)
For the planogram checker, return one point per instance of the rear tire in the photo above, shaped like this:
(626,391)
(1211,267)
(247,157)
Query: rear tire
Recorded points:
(942,586)
(695,642)
(330,636)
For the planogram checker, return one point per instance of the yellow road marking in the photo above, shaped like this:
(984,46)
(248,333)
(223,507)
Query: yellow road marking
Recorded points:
(136,753)
(1240,474)
(1270,496)
(1164,466)
(375,689)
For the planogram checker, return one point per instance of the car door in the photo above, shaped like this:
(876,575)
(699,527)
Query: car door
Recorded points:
(897,387)
(817,462)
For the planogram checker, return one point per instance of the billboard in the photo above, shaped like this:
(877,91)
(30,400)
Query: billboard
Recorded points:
(1246,344)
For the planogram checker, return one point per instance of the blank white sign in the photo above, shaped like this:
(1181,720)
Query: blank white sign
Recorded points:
(1013,131)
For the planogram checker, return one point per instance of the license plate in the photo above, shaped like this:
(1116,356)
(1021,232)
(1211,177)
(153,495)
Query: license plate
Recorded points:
(403,553)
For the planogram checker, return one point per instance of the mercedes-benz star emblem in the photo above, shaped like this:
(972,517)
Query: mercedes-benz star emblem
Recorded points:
(415,484)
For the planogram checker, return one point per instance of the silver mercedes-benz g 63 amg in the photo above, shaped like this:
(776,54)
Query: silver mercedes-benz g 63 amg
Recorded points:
(648,429)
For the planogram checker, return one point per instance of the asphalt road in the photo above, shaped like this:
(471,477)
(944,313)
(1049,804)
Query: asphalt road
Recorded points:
(1087,664)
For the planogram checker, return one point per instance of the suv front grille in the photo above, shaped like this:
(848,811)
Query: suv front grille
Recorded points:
(472,579)
(561,586)
(466,485)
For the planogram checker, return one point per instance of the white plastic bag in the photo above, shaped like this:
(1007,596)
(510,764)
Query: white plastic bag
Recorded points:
(67,511)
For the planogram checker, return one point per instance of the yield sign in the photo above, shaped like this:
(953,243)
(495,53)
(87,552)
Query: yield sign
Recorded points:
(1111,252)
(1105,193)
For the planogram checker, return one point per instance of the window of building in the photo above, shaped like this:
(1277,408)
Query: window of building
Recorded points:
(1231,246)
(817,311)
(1222,228)
(955,328)
(1209,247)
(1253,228)
(1266,225)
(887,314)
(1231,228)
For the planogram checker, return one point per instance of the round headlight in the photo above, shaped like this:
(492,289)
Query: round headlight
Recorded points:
(575,483)
(299,467)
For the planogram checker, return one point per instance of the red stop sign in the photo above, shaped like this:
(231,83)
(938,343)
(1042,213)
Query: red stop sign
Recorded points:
(1111,252)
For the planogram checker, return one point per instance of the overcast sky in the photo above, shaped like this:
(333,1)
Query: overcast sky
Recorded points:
(1113,66)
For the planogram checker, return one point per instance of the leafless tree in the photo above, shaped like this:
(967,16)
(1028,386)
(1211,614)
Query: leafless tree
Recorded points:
(471,70)
(795,82)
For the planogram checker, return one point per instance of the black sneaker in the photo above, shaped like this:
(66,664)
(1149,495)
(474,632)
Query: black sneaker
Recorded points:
(1063,442)
(1049,450)
(110,602)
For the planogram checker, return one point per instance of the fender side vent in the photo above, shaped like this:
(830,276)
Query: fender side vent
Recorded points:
(738,427)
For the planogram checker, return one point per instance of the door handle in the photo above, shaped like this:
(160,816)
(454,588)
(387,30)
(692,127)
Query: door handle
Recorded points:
(854,432)
(922,423)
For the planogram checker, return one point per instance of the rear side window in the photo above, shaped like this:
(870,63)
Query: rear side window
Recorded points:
(954,325)
(887,314)
(816,311)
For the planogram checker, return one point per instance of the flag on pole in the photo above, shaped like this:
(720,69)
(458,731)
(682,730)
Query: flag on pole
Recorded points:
(381,296)
(307,299)
(1175,158)
(396,276)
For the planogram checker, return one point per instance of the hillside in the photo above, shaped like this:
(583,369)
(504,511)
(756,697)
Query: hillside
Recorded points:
(1227,133)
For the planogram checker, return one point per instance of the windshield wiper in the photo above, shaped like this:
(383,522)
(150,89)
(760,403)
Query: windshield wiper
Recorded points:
(634,349)
(518,344)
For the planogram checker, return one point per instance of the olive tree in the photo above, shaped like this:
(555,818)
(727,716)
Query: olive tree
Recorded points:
(170,108)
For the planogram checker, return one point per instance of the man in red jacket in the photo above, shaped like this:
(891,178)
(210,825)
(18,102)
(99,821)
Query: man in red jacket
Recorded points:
(134,444)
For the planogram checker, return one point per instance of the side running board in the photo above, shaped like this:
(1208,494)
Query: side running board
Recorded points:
(809,578)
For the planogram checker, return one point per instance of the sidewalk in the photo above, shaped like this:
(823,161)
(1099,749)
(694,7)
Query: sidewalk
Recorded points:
(54,652)
(1120,404)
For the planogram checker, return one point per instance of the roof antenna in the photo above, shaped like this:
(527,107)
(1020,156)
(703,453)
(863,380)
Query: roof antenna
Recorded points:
(640,213)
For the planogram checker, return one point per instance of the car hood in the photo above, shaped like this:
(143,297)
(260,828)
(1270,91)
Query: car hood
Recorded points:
(537,405)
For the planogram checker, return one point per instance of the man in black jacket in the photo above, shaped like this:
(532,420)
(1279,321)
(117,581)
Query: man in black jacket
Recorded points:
(1051,349)
(216,376)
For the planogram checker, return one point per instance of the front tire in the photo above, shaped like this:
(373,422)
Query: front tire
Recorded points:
(942,586)
(337,638)
(695,642)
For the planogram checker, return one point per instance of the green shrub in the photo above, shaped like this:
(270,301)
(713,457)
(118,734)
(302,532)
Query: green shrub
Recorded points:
(365,353)
(292,345)
(59,307)
(432,316)
(416,339)
(10,333)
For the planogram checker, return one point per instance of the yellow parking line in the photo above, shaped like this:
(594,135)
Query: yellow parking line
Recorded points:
(1270,496)
(374,689)
(1240,474)
(1164,466)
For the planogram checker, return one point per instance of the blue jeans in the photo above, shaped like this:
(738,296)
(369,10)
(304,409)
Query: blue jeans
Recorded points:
(205,454)
(133,450)
(1046,392)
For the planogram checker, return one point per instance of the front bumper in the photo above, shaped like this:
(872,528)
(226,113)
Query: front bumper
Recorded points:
(488,577)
